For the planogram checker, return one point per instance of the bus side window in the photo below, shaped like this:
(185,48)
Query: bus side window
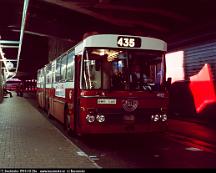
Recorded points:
(49,74)
(70,67)
(38,78)
(53,72)
(63,67)
(58,70)
(41,78)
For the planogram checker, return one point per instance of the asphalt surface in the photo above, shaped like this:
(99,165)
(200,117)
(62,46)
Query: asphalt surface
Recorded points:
(184,145)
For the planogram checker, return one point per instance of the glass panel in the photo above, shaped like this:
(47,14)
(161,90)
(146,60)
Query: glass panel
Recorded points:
(49,74)
(58,70)
(53,71)
(122,69)
(92,72)
(70,66)
(63,67)
(42,78)
(38,76)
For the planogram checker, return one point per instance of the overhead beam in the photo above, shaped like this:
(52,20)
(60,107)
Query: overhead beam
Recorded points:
(25,8)
(8,60)
(9,42)
(8,46)
(118,22)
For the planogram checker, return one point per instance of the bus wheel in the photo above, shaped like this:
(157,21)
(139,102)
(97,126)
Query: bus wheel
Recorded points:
(67,120)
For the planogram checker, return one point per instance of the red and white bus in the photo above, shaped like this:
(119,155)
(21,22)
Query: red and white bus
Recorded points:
(91,88)
(12,84)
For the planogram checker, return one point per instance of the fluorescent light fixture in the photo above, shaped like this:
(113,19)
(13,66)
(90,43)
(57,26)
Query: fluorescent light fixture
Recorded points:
(8,74)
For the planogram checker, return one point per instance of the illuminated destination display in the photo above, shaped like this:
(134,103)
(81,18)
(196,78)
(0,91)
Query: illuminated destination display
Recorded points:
(128,41)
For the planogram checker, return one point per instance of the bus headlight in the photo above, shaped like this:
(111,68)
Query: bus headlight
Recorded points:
(90,118)
(155,117)
(100,118)
(163,117)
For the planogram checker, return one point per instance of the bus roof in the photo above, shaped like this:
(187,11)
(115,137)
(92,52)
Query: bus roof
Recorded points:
(111,41)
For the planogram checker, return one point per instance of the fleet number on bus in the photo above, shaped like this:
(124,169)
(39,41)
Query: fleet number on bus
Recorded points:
(128,41)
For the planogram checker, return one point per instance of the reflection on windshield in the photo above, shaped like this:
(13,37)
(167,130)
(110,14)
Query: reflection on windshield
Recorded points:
(122,70)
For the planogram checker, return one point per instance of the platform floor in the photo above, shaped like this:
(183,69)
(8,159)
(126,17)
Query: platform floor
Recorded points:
(29,140)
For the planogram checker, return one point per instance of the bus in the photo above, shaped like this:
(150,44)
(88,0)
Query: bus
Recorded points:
(11,84)
(90,88)
(29,85)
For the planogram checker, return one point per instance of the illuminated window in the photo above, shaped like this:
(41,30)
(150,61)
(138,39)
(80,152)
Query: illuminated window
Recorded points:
(63,67)
(70,66)
(58,70)
(174,66)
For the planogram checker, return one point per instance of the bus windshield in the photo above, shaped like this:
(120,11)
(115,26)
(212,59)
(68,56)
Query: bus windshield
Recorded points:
(115,69)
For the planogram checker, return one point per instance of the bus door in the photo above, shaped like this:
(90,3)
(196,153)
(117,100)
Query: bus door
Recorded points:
(76,96)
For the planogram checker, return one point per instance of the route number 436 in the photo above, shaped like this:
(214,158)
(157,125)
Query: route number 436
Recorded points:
(128,42)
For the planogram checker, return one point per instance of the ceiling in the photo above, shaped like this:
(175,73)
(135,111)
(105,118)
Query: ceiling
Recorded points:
(177,21)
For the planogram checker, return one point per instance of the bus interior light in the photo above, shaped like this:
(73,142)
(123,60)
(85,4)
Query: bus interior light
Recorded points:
(90,118)
(102,52)
(100,118)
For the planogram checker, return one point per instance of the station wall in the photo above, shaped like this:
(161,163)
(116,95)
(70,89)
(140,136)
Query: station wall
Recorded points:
(193,70)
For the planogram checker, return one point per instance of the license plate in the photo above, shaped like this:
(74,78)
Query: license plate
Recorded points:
(106,101)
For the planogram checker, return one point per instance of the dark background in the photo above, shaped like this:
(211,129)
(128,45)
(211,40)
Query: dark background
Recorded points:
(52,26)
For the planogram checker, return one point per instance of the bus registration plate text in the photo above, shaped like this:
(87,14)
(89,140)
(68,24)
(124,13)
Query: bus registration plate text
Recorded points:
(106,101)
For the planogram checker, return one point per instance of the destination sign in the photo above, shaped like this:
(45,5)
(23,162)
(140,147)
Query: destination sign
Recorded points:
(128,41)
